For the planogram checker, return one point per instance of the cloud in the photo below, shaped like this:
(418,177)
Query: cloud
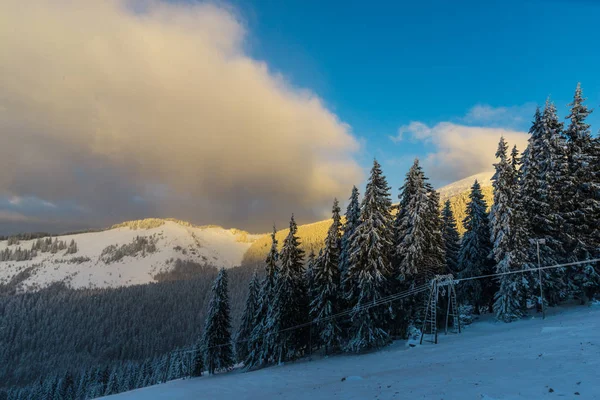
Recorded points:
(124,109)
(459,150)
(415,130)
(507,117)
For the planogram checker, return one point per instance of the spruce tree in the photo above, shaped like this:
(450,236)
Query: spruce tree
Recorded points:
(112,387)
(419,247)
(352,221)
(310,274)
(436,256)
(66,388)
(197,368)
(218,353)
(583,206)
(259,353)
(543,183)
(289,307)
(326,301)
(451,238)
(418,251)
(509,237)
(473,258)
(370,265)
(247,324)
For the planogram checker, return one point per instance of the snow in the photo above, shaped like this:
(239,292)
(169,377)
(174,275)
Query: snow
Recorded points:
(528,359)
(463,185)
(212,245)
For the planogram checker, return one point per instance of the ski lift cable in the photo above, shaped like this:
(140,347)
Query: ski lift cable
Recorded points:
(392,298)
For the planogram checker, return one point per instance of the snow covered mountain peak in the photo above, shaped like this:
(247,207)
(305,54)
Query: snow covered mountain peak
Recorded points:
(464,185)
(129,253)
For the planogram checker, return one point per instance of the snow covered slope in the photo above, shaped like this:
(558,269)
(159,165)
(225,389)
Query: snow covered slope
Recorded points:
(129,253)
(464,185)
(531,359)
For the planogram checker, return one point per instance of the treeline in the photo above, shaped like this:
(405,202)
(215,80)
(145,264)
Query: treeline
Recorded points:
(547,197)
(109,379)
(311,235)
(42,245)
(139,245)
(14,239)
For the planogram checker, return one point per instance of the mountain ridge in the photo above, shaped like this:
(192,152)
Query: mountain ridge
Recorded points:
(137,251)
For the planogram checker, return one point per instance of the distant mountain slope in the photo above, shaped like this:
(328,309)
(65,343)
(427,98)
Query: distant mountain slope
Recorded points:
(311,238)
(458,194)
(313,235)
(135,252)
(129,253)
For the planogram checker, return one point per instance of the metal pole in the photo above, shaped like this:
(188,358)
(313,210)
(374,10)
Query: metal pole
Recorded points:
(426,311)
(310,342)
(434,311)
(540,278)
(448,311)
(456,307)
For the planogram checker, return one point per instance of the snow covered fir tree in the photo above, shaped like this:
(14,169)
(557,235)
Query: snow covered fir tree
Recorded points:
(218,352)
(509,238)
(366,283)
(583,200)
(289,306)
(474,254)
(326,287)
(246,326)
(258,354)
(450,237)
(370,266)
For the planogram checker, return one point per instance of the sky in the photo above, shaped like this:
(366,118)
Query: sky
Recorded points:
(241,113)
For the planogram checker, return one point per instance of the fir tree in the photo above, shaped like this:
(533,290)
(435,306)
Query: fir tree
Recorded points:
(436,256)
(543,182)
(370,265)
(247,324)
(583,207)
(259,353)
(197,368)
(327,286)
(66,388)
(419,251)
(289,307)
(509,237)
(352,221)
(112,387)
(451,238)
(310,274)
(473,258)
(217,331)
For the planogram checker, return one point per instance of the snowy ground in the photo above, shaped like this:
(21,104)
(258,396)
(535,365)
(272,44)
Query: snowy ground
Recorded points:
(206,245)
(531,359)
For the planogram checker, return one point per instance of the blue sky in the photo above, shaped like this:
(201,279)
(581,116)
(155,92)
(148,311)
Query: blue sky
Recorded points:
(380,65)
(240,113)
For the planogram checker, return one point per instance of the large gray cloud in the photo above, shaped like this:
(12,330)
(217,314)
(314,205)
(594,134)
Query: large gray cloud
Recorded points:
(121,109)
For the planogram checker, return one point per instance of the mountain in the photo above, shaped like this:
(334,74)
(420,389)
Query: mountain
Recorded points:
(458,194)
(138,252)
(134,252)
(313,235)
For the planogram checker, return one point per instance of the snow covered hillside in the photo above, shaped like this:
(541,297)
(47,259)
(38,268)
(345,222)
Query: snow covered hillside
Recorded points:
(464,185)
(531,359)
(127,254)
